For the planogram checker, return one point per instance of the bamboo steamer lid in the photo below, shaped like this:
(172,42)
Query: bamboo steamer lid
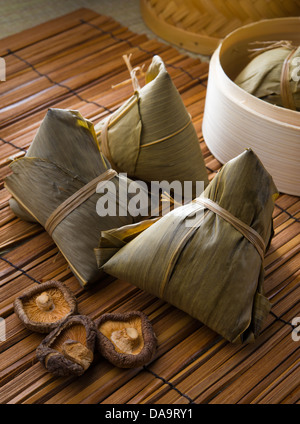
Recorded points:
(200,25)
(235,120)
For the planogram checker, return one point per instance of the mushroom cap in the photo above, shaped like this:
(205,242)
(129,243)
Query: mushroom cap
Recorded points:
(69,348)
(109,328)
(45,320)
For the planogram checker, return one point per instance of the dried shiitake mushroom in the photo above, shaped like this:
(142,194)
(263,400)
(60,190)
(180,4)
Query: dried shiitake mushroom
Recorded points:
(126,340)
(45,306)
(69,348)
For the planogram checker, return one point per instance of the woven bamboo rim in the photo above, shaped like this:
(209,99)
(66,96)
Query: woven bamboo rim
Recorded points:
(235,120)
(199,26)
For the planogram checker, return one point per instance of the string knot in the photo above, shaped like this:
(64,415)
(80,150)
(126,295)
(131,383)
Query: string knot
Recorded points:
(133,74)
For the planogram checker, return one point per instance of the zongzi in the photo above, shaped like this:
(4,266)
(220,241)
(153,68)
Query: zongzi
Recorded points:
(60,182)
(151,136)
(272,74)
(206,257)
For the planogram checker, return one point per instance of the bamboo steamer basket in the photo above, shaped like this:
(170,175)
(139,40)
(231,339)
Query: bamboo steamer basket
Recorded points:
(235,120)
(200,25)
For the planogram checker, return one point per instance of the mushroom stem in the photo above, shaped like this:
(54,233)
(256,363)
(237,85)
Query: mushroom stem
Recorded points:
(45,302)
(132,333)
(126,339)
(78,353)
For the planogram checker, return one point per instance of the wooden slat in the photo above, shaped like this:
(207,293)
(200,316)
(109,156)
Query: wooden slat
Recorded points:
(45,30)
(222,369)
(201,365)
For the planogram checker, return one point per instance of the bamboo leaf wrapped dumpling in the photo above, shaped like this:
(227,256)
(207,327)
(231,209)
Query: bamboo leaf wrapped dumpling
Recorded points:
(151,136)
(55,184)
(272,75)
(68,140)
(211,267)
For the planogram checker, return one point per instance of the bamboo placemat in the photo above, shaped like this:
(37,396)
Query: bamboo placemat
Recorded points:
(72,62)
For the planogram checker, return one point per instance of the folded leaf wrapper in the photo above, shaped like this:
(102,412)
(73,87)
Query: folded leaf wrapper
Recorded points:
(151,137)
(199,262)
(55,184)
(264,77)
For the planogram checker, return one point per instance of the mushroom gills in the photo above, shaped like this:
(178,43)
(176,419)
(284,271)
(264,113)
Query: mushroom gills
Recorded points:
(69,349)
(48,306)
(127,340)
(43,307)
